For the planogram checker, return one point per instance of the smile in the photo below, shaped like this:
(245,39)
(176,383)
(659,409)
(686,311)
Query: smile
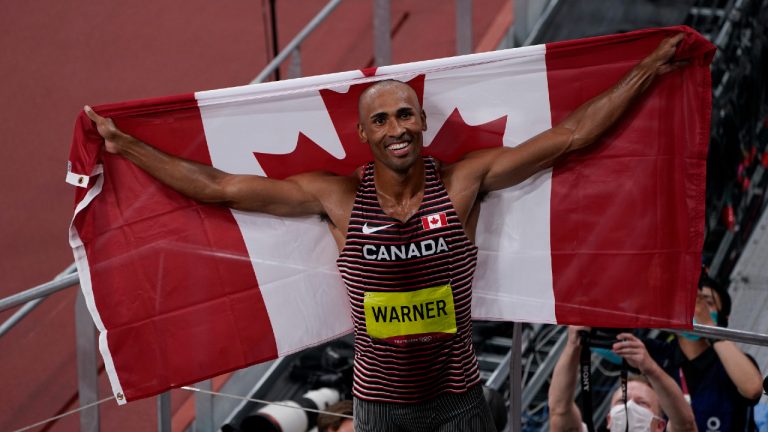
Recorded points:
(398,146)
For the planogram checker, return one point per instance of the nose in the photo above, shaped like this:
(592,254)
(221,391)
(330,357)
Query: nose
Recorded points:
(394,128)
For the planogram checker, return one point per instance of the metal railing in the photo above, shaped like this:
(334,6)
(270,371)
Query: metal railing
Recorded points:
(86,351)
(293,46)
(382,43)
(32,297)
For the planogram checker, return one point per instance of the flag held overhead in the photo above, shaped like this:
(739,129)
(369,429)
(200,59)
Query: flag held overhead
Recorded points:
(182,291)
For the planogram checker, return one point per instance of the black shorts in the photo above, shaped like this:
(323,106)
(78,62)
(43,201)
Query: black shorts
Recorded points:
(454,412)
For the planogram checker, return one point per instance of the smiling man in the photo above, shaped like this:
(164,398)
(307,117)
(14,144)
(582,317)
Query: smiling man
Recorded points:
(405,228)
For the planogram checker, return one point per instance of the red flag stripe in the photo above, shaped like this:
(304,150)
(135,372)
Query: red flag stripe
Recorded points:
(601,247)
(149,244)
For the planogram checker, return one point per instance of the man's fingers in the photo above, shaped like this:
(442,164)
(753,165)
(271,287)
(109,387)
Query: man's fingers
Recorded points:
(92,114)
(674,40)
(105,126)
(674,43)
(666,50)
(574,333)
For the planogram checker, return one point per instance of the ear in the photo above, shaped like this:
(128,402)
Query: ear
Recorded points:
(423,121)
(361,134)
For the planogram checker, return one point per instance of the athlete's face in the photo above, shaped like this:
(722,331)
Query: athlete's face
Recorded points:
(392,122)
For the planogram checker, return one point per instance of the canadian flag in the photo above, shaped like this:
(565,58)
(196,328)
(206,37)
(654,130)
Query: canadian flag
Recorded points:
(436,220)
(182,291)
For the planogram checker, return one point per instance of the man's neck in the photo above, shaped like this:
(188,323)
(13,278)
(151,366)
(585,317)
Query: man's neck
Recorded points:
(400,193)
(399,187)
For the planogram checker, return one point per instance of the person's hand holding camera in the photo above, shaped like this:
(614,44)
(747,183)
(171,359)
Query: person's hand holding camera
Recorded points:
(574,335)
(633,350)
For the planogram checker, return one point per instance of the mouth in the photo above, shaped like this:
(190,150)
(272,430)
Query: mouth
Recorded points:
(399,148)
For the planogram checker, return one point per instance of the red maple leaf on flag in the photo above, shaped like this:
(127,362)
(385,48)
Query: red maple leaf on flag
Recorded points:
(454,139)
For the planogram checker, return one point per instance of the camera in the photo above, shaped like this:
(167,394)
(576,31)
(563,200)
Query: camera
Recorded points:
(601,337)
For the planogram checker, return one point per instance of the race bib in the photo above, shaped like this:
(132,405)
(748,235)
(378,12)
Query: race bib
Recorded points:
(410,317)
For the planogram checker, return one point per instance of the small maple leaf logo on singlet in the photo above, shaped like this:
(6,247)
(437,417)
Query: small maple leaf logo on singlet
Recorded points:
(454,139)
(433,221)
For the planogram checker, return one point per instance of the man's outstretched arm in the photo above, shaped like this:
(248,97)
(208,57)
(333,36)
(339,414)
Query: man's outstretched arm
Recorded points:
(291,197)
(505,167)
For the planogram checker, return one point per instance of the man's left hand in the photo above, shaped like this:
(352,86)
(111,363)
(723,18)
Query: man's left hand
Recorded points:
(660,61)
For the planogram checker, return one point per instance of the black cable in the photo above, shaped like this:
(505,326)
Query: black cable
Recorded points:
(273,20)
(265,22)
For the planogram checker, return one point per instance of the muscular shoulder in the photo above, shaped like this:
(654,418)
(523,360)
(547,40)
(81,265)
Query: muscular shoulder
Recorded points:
(336,193)
(327,185)
(466,173)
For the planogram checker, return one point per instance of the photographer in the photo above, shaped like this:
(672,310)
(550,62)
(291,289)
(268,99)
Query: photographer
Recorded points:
(328,422)
(722,383)
(647,401)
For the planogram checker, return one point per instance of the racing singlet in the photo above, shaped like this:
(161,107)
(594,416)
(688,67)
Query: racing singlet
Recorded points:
(410,288)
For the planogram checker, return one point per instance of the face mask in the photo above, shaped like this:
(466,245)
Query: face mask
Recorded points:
(694,337)
(608,355)
(640,418)
(714,316)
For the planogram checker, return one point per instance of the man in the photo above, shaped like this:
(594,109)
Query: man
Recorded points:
(405,230)
(721,382)
(329,422)
(647,401)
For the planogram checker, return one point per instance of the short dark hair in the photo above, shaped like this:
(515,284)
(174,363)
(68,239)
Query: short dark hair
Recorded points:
(705,280)
(330,422)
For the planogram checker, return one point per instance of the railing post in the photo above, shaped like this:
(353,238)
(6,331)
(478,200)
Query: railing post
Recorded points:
(382,40)
(463,27)
(164,412)
(294,69)
(515,379)
(204,407)
(87,368)
(296,41)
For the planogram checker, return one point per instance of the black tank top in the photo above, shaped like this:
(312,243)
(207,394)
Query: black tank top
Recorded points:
(410,288)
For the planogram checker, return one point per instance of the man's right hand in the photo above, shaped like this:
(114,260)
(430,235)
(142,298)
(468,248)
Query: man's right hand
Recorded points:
(114,138)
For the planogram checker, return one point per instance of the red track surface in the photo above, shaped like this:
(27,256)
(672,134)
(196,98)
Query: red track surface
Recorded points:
(57,56)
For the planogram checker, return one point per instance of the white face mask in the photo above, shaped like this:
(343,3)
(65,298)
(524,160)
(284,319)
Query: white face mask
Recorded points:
(640,418)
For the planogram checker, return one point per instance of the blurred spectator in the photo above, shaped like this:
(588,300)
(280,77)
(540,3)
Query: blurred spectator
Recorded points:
(721,382)
(334,423)
(647,401)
